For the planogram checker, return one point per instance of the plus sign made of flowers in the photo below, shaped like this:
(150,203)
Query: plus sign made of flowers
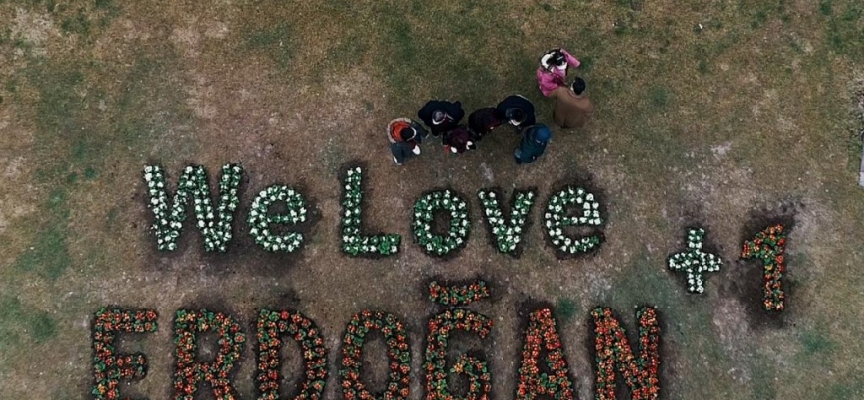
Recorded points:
(695,261)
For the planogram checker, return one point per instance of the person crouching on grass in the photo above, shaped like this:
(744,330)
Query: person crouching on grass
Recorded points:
(405,137)
(552,71)
(572,105)
(533,144)
(458,140)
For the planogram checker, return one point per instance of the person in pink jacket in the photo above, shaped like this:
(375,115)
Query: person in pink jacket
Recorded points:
(552,71)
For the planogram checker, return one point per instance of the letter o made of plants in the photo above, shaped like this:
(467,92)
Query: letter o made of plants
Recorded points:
(424,213)
(260,220)
(398,353)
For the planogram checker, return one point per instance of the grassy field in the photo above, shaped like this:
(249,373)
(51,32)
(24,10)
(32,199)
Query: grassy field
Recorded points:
(716,112)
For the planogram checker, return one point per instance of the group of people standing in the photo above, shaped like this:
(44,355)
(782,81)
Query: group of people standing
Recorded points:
(443,118)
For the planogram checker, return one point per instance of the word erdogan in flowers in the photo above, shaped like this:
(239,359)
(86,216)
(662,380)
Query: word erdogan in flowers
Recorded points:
(354,243)
(424,213)
(214,224)
(272,327)
(507,233)
(695,261)
(109,367)
(557,219)
(642,373)
(768,247)
(261,221)
(543,372)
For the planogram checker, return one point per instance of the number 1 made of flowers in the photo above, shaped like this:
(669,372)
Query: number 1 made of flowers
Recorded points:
(768,247)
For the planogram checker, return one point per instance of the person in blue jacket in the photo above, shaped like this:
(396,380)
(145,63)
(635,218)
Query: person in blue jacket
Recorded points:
(533,144)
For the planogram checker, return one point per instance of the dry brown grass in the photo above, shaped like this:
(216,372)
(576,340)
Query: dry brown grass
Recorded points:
(752,111)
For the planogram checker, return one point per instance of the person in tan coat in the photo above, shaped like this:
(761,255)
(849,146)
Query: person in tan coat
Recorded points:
(572,105)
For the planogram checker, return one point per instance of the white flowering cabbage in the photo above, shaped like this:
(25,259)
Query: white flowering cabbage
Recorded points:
(215,224)
(695,261)
(556,218)
(424,209)
(260,220)
(506,232)
(354,243)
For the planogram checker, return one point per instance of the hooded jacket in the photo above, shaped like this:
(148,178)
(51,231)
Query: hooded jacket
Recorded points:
(530,149)
(402,150)
(549,80)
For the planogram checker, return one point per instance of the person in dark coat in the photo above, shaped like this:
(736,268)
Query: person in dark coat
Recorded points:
(533,144)
(483,121)
(441,116)
(405,137)
(518,111)
(458,140)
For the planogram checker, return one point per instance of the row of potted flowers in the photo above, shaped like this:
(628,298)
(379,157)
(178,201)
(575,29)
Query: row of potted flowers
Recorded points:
(542,335)
(261,221)
(613,350)
(189,373)
(769,247)
(110,367)
(215,224)
(695,262)
(556,219)
(460,225)
(507,233)
(398,353)
(435,362)
(354,243)
(272,327)
(458,295)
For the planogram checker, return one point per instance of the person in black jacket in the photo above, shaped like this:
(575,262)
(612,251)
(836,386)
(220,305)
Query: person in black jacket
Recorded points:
(533,144)
(441,116)
(518,111)
(483,121)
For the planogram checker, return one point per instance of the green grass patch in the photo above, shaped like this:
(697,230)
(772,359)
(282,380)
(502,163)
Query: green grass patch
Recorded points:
(565,309)
(815,343)
(658,96)
(276,42)
(15,319)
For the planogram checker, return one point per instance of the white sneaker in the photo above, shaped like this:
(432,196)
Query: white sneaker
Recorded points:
(397,162)
(416,150)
